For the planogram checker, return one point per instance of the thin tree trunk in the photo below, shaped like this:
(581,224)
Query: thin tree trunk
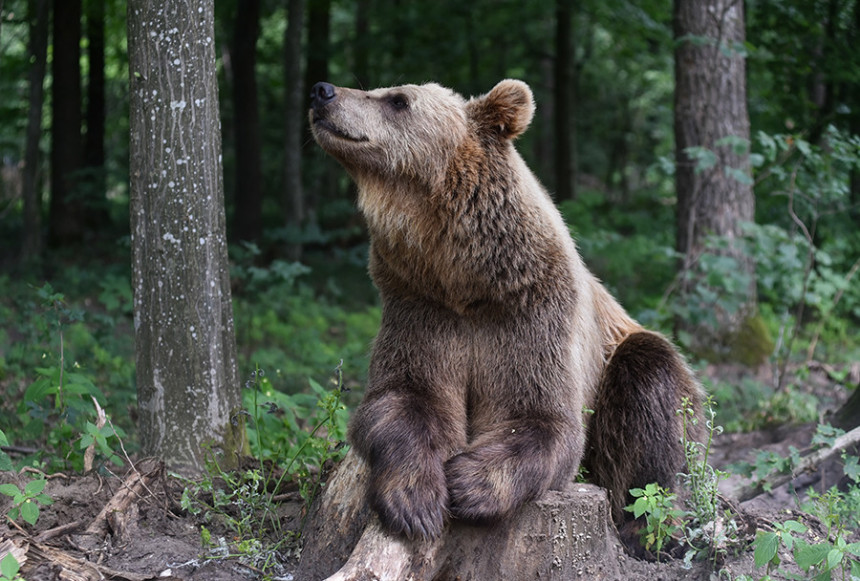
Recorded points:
(710,111)
(295,115)
(362,43)
(564,187)
(187,379)
(38,15)
(248,194)
(66,158)
(94,143)
(316,69)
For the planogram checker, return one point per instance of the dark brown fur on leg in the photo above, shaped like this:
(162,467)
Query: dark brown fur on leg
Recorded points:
(509,466)
(634,437)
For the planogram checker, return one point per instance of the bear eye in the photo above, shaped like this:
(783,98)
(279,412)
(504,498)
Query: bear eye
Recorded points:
(398,102)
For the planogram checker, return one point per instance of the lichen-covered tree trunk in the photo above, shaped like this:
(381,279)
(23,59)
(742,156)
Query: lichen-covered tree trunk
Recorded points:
(187,380)
(714,189)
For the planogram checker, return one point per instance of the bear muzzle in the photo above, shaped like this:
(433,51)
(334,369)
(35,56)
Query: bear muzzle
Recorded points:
(324,117)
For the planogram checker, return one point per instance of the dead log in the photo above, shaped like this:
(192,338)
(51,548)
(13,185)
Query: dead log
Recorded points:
(807,464)
(563,535)
(133,488)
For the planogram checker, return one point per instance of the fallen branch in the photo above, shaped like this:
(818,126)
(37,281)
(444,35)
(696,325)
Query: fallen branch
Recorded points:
(131,490)
(59,531)
(808,464)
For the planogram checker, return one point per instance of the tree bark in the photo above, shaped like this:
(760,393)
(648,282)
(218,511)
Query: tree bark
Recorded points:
(38,16)
(563,535)
(362,43)
(316,69)
(711,114)
(94,143)
(248,194)
(65,223)
(187,379)
(295,116)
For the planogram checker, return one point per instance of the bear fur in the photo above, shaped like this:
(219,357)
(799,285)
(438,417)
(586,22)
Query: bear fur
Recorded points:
(496,341)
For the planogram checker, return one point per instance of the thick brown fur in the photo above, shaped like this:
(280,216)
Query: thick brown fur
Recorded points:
(495,337)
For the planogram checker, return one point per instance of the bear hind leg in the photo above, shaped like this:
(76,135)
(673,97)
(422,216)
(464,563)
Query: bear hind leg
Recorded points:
(635,435)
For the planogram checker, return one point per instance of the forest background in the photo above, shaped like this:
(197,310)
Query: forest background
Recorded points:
(302,301)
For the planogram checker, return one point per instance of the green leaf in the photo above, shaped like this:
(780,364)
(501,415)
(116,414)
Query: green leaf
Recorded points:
(34,487)
(9,490)
(834,557)
(794,526)
(640,507)
(852,468)
(5,462)
(3,440)
(808,555)
(854,549)
(13,513)
(9,566)
(30,512)
(766,545)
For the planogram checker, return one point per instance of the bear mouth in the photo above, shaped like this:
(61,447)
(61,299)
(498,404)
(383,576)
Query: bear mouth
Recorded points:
(329,127)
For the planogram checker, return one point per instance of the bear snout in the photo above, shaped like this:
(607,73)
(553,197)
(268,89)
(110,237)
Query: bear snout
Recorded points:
(322,94)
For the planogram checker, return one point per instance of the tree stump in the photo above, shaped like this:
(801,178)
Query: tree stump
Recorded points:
(563,535)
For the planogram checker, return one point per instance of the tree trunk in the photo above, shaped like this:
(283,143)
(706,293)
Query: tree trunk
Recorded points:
(66,214)
(38,16)
(714,198)
(94,144)
(295,115)
(362,43)
(562,535)
(854,126)
(248,194)
(187,379)
(564,187)
(848,416)
(316,69)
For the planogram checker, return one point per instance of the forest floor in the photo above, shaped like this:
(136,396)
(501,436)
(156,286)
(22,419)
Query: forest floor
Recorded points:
(132,526)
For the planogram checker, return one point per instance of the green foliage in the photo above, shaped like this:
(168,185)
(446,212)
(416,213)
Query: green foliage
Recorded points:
(767,544)
(26,502)
(656,504)
(298,434)
(9,568)
(749,404)
(819,560)
(5,461)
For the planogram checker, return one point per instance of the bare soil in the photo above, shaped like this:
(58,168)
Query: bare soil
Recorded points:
(152,537)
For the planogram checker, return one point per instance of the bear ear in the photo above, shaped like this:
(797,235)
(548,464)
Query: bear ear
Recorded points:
(506,110)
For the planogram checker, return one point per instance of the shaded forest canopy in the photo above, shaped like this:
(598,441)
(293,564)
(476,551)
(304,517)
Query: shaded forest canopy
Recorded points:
(614,62)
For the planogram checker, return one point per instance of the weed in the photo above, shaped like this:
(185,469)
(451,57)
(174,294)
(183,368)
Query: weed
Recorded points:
(9,568)
(26,502)
(657,505)
(5,461)
(300,433)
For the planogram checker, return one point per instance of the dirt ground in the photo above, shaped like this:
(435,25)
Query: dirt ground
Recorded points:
(132,526)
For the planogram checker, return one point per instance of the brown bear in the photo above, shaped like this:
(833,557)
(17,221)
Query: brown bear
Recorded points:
(496,341)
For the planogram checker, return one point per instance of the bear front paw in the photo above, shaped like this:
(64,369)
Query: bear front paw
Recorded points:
(477,492)
(415,507)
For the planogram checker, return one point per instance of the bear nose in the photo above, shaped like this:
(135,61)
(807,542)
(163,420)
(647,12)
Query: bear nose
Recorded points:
(322,93)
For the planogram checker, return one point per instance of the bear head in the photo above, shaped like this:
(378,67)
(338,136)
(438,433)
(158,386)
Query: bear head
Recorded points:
(413,134)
